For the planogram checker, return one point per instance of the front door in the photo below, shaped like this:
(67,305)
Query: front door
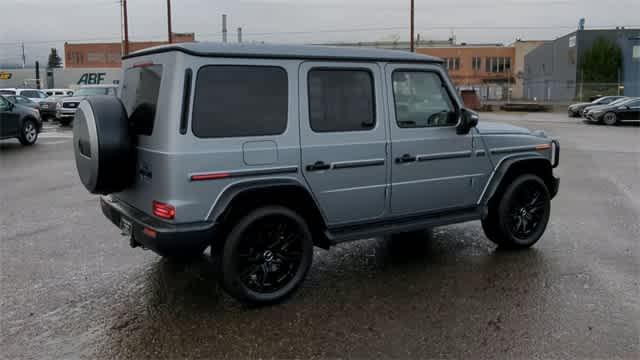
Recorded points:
(434,168)
(630,111)
(9,120)
(343,139)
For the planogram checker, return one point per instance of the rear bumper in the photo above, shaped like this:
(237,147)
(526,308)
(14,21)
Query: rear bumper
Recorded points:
(65,113)
(159,236)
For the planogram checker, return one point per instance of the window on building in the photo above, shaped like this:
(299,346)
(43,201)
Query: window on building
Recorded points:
(234,101)
(341,100)
(487,64)
(456,63)
(477,63)
(507,64)
(421,100)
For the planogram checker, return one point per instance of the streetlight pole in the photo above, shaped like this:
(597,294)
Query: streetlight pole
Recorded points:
(126,27)
(411,41)
(170,35)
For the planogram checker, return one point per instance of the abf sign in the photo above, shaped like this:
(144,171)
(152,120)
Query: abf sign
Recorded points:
(91,78)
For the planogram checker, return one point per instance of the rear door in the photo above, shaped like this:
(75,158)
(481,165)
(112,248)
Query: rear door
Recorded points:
(344,138)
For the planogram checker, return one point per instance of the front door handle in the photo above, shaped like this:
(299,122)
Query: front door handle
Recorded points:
(406,158)
(318,165)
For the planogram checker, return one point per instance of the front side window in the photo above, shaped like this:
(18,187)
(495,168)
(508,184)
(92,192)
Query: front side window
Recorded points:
(421,100)
(341,100)
(233,101)
(4,104)
(140,90)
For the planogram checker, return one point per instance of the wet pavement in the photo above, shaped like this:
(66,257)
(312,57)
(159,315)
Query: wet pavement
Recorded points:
(70,286)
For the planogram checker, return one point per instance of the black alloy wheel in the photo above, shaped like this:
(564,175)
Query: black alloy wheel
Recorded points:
(526,210)
(519,217)
(267,255)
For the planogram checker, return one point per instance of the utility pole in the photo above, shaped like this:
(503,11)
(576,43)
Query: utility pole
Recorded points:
(24,59)
(412,45)
(169,21)
(239,34)
(224,28)
(126,27)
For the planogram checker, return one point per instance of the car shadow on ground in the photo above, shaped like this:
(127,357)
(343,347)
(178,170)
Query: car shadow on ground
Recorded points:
(417,280)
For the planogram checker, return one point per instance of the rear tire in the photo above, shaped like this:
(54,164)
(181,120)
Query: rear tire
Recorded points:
(266,256)
(29,133)
(520,216)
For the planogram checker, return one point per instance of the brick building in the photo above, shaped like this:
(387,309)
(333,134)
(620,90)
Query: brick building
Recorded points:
(108,55)
(488,69)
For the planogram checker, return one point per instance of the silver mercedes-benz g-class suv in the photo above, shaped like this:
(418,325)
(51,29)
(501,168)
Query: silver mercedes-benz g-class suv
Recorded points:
(263,152)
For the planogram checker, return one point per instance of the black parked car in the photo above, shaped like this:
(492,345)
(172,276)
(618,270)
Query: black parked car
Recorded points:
(575,110)
(18,121)
(628,110)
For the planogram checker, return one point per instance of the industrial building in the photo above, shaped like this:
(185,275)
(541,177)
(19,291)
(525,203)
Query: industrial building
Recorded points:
(108,55)
(553,71)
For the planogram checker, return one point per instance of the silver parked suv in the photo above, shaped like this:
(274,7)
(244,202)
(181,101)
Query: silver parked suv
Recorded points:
(263,152)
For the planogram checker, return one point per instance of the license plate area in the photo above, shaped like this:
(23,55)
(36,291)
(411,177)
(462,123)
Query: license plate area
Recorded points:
(125,227)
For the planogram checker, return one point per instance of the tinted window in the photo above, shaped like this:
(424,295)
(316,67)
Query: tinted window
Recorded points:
(4,104)
(30,94)
(341,100)
(7,92)
(240,101)
(421,100)
(140,90)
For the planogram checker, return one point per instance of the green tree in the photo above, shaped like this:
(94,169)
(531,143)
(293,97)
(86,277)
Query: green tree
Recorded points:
(602,62)
(54,59)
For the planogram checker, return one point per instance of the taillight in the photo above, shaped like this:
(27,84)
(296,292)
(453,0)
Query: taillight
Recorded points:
(164,211)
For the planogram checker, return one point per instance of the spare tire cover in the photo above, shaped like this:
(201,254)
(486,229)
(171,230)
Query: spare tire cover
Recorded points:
(103,145)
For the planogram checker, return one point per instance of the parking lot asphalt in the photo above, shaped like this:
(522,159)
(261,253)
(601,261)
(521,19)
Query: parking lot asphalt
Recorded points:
(71,287)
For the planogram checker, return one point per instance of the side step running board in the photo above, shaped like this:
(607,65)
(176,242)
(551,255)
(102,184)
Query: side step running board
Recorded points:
(351,233)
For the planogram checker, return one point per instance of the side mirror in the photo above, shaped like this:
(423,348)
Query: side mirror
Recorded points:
(468,120)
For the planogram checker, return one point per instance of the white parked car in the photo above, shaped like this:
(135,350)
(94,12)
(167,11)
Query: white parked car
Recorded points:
(35,95)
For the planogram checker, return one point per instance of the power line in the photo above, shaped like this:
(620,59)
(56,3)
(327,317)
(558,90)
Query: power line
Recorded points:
(344,30)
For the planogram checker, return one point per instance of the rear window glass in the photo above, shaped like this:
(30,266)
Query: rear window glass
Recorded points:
(140,90)
(233,101)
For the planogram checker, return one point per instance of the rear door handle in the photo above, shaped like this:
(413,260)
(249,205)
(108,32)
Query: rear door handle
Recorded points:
(318,165)
(406,158)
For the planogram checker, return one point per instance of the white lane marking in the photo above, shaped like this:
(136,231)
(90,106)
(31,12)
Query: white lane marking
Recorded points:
(54,142)
(52,135)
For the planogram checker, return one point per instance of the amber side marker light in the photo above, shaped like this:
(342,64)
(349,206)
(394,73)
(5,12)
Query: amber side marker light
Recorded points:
(543,147)
(164,211)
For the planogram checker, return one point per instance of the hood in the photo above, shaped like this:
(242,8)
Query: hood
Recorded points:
(73,98)
(578,105)
(597,107)
(487,127)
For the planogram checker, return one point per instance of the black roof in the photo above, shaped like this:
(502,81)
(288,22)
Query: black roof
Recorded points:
(311,52)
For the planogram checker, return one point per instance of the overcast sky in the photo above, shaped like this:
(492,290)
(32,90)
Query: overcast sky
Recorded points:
(43,24)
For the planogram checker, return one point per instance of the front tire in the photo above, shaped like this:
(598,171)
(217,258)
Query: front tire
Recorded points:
(29,133)
(266,256)
(610,119)
(519,218)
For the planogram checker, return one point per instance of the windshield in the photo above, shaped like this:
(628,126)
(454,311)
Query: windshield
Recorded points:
(91,91)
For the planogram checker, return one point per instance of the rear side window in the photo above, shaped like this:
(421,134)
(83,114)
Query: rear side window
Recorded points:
(232,101)
(341,100)
(7,92)
(30,94)
(140,90)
